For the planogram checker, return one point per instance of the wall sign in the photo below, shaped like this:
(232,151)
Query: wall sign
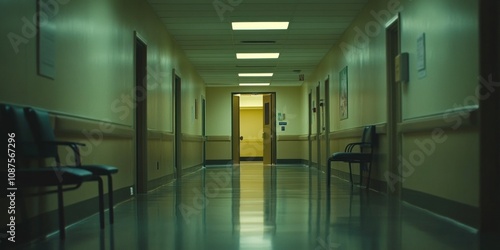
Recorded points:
(421,56)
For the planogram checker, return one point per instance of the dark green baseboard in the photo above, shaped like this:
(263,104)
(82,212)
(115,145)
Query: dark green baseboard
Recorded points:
(219,162)
(380,186)
(463,213)
(41,225)
(377,185)
(252,158)
(152,184)
(279,161)
(190,170)
(292,161)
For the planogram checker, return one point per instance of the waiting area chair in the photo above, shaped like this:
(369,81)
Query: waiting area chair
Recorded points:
(44,136)
(19,148)
(356,153)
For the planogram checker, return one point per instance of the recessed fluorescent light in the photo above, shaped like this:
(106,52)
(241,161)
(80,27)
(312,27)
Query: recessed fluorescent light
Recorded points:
(254,74)
(255,84)
(260,25)
(257,55)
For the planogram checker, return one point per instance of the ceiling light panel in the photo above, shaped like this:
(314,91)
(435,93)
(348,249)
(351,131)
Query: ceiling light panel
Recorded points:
(260,25)
(257,55)
(255,84)
(255,74)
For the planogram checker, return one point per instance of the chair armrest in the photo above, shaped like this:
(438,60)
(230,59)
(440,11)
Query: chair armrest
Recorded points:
(74,147)
(65,143)
(349,147)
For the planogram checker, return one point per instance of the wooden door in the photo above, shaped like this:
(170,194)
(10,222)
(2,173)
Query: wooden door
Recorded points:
(236,129)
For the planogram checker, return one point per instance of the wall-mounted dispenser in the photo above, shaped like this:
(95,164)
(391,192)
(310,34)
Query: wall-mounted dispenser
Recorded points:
(401,70)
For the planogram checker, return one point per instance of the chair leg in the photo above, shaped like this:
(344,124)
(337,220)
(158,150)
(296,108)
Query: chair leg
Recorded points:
(101,202)
(369,175)
(350,173)
(110,196)
(361,174)
(328,173)
(60,204)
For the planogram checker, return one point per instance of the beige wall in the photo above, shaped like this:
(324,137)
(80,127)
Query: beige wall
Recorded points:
(95,79)
(94,82)
(292,147)
(160,154)
(451,170)
(219,148)
(451,31)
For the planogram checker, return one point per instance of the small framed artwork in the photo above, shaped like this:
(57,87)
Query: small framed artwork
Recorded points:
(343,94)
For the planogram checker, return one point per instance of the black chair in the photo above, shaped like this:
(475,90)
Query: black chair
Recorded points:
(48,146)
(363,155)
(15,127)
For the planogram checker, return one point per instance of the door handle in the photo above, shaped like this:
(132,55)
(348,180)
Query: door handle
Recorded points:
(241,138)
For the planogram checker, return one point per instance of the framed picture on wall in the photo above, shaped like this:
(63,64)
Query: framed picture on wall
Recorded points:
(343,94)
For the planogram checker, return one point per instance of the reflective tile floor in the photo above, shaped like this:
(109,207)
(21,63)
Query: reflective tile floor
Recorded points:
(257,207)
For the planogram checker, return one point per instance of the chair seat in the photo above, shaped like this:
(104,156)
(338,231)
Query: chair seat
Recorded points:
(100,169)
(350,157)
(52,176)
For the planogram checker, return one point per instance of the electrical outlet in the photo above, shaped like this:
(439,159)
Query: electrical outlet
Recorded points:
(131,191)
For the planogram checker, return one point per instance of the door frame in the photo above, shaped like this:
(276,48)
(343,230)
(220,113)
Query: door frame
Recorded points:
(177,122)
(318,125)
(269,152)
(235,129)
(394,136)
(326,109)
(394,108)
(273,112)
(140,114)
(310,135)
(489,120)
(204,130)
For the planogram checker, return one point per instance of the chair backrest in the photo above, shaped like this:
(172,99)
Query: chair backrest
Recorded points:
(43,132)
(368,138)
(14,121)
(368,134)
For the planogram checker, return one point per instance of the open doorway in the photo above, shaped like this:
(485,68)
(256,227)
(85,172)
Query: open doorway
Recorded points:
(251,127)
(254,127)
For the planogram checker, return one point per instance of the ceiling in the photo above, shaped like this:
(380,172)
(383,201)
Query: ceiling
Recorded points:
(203,29)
